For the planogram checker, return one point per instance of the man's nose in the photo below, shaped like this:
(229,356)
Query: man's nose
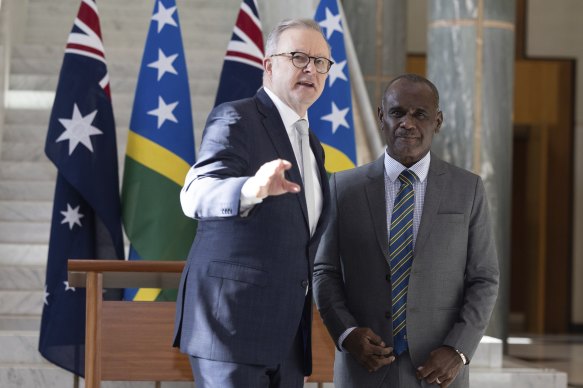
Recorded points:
(310,67)
(407,122)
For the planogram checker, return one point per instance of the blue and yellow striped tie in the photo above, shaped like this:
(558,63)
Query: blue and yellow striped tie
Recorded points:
(401,257)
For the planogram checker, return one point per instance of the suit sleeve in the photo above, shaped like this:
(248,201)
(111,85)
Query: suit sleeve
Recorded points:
(328,280)
(481,279)
(212,187)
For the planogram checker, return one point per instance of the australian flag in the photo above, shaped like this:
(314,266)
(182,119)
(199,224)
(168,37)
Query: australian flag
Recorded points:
(86,220)
(243,68)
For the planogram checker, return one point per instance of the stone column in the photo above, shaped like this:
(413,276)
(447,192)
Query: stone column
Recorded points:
(470,59)
(379,32)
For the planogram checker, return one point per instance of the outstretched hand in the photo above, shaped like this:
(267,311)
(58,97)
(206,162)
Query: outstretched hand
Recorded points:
(441,368)
(368,348)
(270,180)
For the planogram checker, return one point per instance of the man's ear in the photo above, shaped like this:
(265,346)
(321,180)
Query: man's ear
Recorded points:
(380,114)
(439,121)
(267,65)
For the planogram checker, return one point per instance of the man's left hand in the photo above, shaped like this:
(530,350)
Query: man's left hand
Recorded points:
(441,368)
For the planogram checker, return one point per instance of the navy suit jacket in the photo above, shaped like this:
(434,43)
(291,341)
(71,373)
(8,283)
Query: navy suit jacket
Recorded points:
(242,296)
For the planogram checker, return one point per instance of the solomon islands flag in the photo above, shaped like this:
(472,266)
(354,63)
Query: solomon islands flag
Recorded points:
(160,151)
(331,115)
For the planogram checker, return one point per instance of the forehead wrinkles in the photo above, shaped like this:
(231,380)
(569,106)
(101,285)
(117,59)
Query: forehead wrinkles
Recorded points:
(304,40)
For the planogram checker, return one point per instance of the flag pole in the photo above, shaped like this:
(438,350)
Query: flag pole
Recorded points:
(359,89)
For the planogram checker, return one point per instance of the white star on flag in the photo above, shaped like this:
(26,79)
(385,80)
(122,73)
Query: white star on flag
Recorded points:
(72,216)
(78,129)
(67,287)
(46,296)
(164,112)
(164,16)
(331,23)
(337,72)
(337,117)
(164,64)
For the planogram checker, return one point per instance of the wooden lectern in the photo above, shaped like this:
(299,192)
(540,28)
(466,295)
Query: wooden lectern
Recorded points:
(132,341)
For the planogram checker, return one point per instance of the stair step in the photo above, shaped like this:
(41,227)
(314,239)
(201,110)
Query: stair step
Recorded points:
(13,278)
(517,378)
(50,376)
(23,254)
(489,353)
(21,302)
(27,191)
(25,232)
(201,106)
(134,18)
(34,133)
(25,132)
(119,85)
(124,61)
(23,345)
(20,211)
(34,375)
(35,152)
(53,52)
(20,322)
(42,170)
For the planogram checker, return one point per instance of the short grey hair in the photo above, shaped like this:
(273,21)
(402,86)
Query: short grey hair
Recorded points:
(286,24)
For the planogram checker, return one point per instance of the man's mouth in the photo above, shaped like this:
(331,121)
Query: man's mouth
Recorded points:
(306,84)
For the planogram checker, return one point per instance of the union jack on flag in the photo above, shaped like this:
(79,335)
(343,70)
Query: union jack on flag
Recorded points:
(243,67)
(85,38)
(86,218)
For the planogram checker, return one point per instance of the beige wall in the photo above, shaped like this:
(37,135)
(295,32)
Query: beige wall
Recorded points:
(554,29)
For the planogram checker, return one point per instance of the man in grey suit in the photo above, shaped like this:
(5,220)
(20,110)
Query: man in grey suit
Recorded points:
(260,192)
(406,275)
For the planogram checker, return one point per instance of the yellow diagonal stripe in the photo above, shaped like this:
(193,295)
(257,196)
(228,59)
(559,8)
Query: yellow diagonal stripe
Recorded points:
(157,158)
(336,160)
(147,294)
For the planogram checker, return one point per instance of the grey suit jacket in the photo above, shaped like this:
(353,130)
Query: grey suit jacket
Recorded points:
(242,297)
(454,277)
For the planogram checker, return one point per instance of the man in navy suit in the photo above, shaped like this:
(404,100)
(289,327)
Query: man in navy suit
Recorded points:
(245,300)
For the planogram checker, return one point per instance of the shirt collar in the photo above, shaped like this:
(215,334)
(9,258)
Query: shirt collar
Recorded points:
(393,168)
(288,115)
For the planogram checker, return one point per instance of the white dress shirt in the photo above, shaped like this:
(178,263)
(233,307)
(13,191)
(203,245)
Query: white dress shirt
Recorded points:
(289,117)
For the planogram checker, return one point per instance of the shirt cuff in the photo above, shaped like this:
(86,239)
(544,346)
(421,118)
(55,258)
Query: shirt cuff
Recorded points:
(248,199)
(343,337)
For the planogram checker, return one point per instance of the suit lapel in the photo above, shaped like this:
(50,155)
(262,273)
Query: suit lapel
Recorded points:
(433,194)
(323,175)
(375,194)
(275,129)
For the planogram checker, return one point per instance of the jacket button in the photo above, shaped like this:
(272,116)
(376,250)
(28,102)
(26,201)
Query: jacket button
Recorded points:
(388,315)
(305,283)
(388,277)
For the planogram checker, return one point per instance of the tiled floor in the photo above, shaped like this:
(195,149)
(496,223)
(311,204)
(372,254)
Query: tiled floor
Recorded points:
(564,353)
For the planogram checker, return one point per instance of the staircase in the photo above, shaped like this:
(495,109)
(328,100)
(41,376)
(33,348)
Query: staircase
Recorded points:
(27,178)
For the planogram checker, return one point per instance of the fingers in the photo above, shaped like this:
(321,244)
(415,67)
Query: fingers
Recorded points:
(368,349)
(441,368)
(270,179)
